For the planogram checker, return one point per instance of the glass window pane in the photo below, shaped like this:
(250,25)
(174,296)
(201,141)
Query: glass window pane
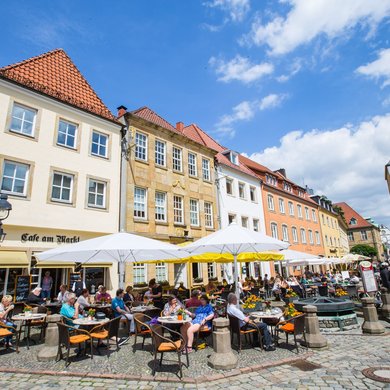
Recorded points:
(6,184)
(55,193)
(9,169)
(65,194)
(67,181)
(16,124)
(91,199)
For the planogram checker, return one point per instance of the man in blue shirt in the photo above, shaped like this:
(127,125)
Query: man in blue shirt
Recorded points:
(234,311)
(70,309)
(120,309)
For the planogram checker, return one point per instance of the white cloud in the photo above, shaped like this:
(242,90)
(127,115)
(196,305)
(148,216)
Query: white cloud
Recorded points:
(345,164)
(308,20)
(235,9)
(379,68)
(272,100)
(240,69)
(294,68)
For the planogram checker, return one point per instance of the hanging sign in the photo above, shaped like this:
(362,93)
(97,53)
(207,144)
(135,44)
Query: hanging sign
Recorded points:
(368,277)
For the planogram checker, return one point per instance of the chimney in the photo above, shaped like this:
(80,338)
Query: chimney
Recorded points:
(121,111)
(282,171)
(180,126)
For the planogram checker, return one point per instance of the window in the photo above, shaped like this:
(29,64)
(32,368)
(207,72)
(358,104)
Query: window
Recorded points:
(161,272)
(15,178)
(244,222)
(192,168)
(350,236)
(327,221)
(23,120)
(331,241)
(323,219)
(241,190)
(229,186)
(139,273)
(160,206)
(294,234)
(318,239)
(299,208)
(208,215)
(99,144)
(326,240)
(363,235)
(234,158)
(285,233)
(177,159)
(287,186)
(274,230)
(231,218)
(97,193)
(211,271)
(141,146)
(67,133)
(94,277)
(256,225)
(307,215)
(311,238)
(303,236)
(160,153)
(206,169)
(314,215)
(291,208)
(353,221)
(140,203)
(281,205)
(178,210)
(252,192)
(62,187)
(301,193)
(194,212)
(269,179)
(271,205)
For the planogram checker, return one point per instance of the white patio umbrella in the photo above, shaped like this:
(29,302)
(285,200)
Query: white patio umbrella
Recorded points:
(290,254)
(352,257)
(235,240)
(119,247)
(311,261)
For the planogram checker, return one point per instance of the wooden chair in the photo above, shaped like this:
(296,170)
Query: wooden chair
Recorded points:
(68,336)
(106,332)
(235,329)
(9,331)
(294,326)
(40,324)
(141,328)
(163,344)
(152,313)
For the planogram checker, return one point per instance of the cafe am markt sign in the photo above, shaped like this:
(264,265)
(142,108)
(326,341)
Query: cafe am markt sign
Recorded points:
(58,238)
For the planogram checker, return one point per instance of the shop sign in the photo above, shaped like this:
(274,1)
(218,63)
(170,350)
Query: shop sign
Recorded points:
(368,277)
(59,239)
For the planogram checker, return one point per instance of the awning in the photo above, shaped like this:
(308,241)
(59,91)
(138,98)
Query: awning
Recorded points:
(96,265)
(55,264)
(10,259)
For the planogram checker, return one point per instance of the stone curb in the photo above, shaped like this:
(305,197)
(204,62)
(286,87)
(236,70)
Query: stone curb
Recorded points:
(149,378)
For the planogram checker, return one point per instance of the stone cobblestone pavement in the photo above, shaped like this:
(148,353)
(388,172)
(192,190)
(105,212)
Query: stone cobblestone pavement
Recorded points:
(339,367)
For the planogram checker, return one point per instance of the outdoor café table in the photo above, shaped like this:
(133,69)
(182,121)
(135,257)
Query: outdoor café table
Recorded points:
(25,320)
(142,309)
(260,315)
(54,307)
(87,323)
(173,320)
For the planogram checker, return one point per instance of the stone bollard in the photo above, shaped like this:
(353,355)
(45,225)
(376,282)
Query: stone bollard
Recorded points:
(386,302)
(223,357)
(314,339)
(49,351)
(371,323)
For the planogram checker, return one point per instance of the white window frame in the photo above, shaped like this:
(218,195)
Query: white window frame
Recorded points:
(314,215)
(244,221)
(13,178)
(253,194)
(141,146)
(231,181)
(242,186)
(291,208)
(285,233)
(270,201)
(299,208)
(281,206)
(206,169)
(232,218)
(274,230)
(211,270)
(208,215)
(139,278)
(350,236)
(96,194)
(307,214)
(194,212)
(23,120)
(160,153)
(363,235)
(318,238)
(99,144)
(68,123)
(161,272)
(162,207)
(70,201)
(294,232)
(192,165)
(303,236)
(311,238)
(177,159)
(256,224)
(142,202)
(178,212)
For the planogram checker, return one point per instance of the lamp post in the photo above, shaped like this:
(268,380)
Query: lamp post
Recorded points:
(5,208)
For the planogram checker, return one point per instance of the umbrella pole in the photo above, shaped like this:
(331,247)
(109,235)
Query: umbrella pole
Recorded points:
(236,278)
(121,274)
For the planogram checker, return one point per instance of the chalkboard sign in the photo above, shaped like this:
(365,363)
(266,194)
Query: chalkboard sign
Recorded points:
(22,288)
(73,278)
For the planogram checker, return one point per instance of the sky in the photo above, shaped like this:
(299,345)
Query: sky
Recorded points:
(295,84)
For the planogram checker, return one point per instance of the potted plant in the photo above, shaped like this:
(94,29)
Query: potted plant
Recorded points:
(290,311)
(91,313)
(341,293)
(290,296)
(27,310)
(267,306)
(252,303)
(180,314)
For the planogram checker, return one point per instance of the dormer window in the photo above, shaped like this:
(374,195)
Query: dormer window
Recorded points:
(287,186)
(234,158)
(270,179)
(301,193)
(353,221)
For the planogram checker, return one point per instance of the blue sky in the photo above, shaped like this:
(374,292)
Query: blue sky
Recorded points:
(303,85)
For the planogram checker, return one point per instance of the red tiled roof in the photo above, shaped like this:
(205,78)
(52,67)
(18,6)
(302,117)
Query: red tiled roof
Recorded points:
(54,74)
(149,115)
(350,213)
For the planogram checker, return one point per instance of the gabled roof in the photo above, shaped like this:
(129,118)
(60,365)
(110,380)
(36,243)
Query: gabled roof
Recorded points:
(149,115)
(350,213)
(54,74)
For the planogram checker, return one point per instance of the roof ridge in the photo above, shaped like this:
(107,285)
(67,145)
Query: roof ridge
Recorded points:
(173,128)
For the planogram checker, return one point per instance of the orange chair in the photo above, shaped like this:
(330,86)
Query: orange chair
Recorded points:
(141,328)
(294,326)
(8,331)
(106,332)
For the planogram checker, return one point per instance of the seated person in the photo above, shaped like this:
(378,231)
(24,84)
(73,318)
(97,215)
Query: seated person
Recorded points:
(70,309)
(354,279)
(172,306)
(201,318)
(129,296)
(148,295)
(194,300)
(6,307)
(63,294)
(121,310)
(210,287)
(245,323)
(103,295)
(35,297)
(82,300)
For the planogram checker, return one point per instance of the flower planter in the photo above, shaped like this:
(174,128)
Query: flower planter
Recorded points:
(290,299)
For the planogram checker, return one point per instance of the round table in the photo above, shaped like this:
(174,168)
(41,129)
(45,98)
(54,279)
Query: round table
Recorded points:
(142,309)
(25,319)
(173,320)
(85,321)
(262,314)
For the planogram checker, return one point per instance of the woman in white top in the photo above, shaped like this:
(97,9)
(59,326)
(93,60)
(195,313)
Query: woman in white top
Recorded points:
(82,300)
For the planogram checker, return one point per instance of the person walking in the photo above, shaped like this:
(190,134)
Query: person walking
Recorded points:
(47,285)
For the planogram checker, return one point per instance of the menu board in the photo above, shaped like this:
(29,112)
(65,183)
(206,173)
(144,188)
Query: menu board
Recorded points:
(22,288)
(73,278)
(368,277)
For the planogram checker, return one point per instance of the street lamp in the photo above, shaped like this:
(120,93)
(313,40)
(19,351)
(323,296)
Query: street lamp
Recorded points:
(387,174)
(5,208)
